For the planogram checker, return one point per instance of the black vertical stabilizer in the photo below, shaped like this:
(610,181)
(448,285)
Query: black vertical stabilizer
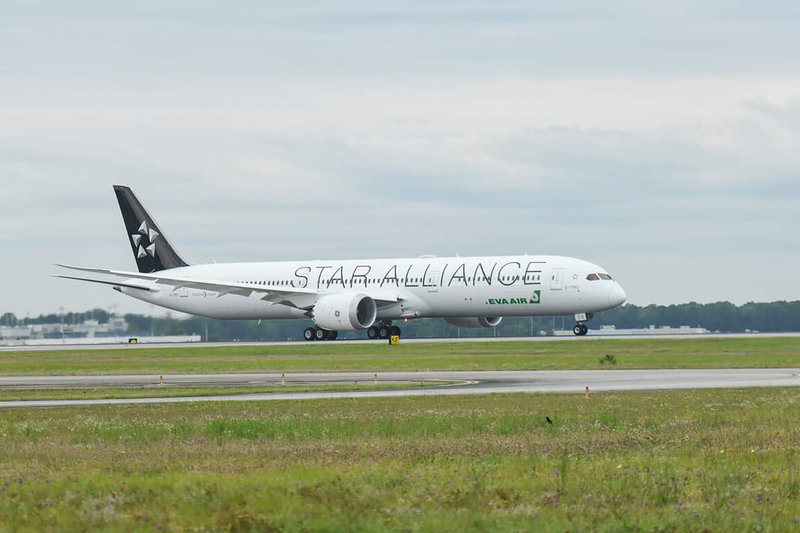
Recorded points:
(150,246)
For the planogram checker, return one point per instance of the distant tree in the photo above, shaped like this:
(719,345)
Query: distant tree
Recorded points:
(101,315)
(717,316)
(8,319)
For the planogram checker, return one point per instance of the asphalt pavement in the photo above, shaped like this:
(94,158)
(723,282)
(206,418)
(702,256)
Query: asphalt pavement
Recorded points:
(470,382)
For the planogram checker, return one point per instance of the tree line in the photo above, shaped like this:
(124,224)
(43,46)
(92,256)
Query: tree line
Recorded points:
(725,317)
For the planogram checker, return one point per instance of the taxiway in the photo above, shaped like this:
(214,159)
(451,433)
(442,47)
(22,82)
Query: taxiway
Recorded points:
(477,382)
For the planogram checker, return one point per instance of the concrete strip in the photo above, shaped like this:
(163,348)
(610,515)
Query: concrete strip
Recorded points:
(486,382)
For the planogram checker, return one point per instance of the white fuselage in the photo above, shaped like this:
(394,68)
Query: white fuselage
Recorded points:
(415,288)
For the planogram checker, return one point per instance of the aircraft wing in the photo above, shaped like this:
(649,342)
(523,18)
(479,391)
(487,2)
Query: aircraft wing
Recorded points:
(301,298)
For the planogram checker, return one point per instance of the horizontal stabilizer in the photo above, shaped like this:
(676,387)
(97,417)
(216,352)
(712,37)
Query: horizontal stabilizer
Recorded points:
(106,282)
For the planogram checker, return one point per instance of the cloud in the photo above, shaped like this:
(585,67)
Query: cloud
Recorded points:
(645,137)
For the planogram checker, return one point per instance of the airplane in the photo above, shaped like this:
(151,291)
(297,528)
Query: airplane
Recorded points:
(357,295)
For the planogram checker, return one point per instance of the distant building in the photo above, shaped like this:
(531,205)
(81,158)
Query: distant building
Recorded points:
(88,332)
(652,330)
(88,328)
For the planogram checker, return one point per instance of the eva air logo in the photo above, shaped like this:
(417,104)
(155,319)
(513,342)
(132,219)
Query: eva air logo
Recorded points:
(534,299)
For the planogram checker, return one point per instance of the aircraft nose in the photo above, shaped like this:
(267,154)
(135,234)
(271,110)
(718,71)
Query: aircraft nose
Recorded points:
(616,295)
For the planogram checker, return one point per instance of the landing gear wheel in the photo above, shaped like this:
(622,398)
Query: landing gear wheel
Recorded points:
(372,333)
(308,334)
(332,335)
(320,334)
(394,331)
(580,329)
(383,332)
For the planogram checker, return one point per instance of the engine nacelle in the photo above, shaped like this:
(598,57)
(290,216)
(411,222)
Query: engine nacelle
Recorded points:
(475,322)
(345,312)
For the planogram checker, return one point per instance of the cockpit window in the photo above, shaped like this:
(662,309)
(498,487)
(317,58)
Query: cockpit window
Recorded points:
(592,277)
(604,276)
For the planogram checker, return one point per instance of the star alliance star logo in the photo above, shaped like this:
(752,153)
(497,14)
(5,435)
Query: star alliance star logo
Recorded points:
(144,241)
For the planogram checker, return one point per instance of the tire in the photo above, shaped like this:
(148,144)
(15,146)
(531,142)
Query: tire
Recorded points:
(577,329)
(584,329)
(372,333)
(394,330)
(383,332)
(308,334)
(320,334)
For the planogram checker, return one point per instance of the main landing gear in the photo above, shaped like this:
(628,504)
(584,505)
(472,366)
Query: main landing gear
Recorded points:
(384,330)
(319,334)
(580,329)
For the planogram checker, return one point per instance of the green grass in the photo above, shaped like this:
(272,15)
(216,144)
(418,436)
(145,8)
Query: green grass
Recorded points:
(721,460)
(370,357)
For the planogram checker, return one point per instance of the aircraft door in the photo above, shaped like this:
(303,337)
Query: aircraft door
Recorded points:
(557,279)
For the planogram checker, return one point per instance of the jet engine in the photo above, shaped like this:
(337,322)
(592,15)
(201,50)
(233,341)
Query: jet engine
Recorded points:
(475,322)
(345,312)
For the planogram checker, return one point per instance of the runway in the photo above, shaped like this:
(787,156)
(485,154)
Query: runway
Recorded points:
(119,344)
(477,382)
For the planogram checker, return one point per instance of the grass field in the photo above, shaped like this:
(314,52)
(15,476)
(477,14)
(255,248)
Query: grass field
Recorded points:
(721,460)
(716,460)
(370,357)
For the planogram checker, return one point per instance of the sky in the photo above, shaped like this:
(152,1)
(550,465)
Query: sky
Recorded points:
(660,140)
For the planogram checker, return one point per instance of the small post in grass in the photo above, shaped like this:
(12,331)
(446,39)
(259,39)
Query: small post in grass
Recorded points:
(586,393)
(375,379)
(283,379)
(161,380)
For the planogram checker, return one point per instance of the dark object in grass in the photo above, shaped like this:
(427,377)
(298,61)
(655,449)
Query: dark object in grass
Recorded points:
(548,420)
(608,359)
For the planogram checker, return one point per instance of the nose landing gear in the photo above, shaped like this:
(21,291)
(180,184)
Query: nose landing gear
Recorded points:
(580,329)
